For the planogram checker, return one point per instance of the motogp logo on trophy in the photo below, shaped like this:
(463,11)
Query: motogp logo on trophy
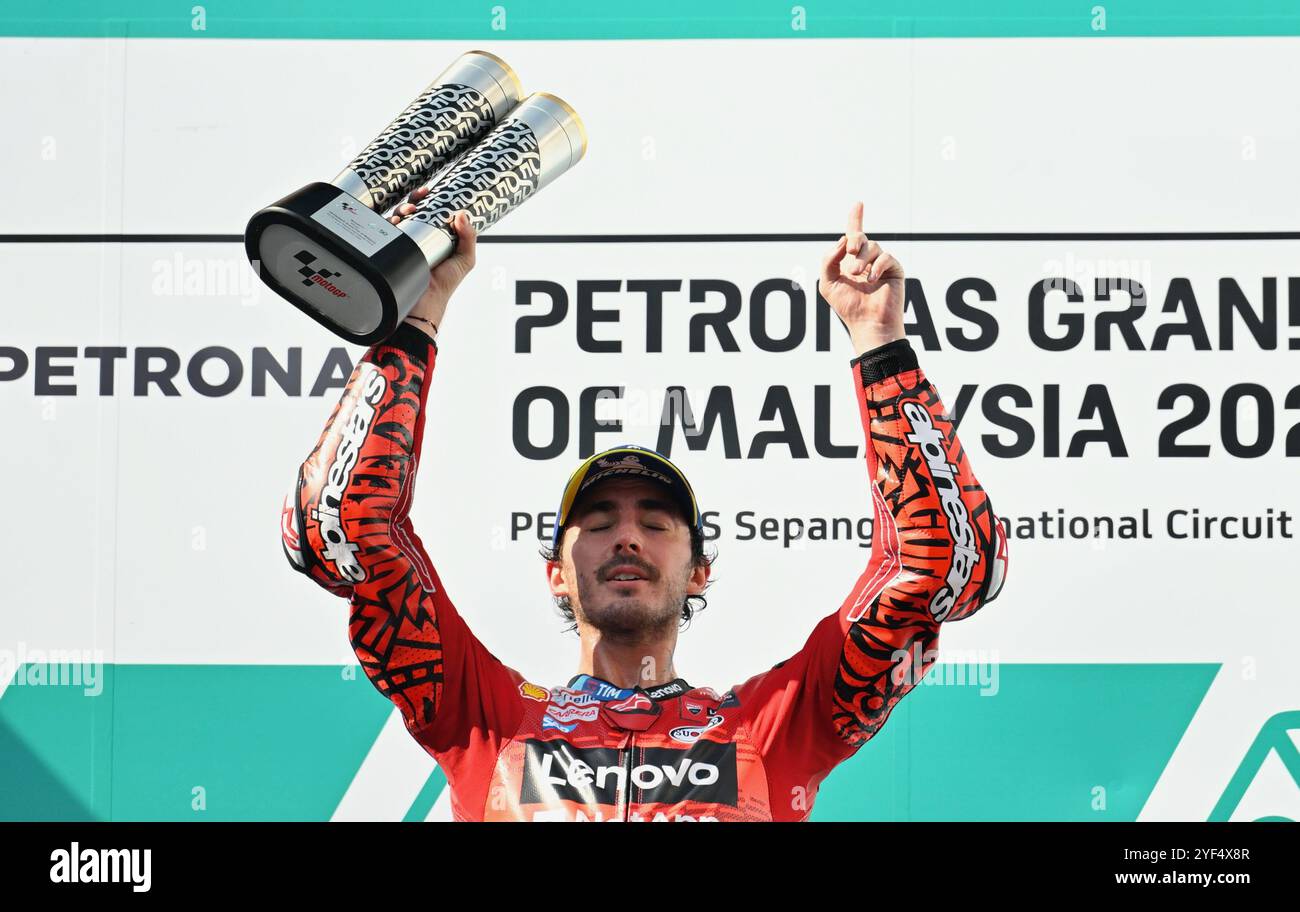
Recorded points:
(319,277)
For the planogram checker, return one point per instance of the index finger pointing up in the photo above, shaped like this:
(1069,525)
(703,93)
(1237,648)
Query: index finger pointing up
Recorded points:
(857,240)
(855,219)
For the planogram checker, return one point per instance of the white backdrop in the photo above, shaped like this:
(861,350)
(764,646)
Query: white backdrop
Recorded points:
(146,526)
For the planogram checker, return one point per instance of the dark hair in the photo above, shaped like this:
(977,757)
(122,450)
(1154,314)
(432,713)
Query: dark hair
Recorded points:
(691,605)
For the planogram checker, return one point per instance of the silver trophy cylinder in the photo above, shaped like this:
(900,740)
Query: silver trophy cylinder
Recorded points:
(326,248)
(540,140)
(457,110)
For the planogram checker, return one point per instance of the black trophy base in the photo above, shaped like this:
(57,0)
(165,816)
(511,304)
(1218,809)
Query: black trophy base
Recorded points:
(337,261)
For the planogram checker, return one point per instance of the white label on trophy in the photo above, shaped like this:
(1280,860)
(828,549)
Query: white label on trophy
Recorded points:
(363,228)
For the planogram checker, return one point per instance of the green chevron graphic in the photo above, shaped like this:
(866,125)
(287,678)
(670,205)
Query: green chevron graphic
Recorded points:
(1274,735)
(266,742)
(1056,742)
(261,742)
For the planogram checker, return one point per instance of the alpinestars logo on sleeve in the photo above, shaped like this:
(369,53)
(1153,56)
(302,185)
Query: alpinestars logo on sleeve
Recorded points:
(356,428)
(965,555)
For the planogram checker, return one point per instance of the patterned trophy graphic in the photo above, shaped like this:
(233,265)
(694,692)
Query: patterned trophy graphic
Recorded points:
(458,109)
(535,144)
(327,248)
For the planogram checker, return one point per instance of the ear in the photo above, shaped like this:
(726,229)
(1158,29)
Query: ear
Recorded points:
(555,579)
(699,577)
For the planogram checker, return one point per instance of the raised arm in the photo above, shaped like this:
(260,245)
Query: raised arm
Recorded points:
(938,552)
(347,525)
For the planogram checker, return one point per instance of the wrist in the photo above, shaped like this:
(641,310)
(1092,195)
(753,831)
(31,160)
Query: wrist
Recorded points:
(424,324)
(867,336)
(887,360)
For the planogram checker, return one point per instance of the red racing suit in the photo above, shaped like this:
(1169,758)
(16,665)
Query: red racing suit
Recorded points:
(515,750)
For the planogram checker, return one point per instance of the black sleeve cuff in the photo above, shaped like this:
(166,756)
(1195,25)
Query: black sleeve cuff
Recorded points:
(885,361)
(412,340)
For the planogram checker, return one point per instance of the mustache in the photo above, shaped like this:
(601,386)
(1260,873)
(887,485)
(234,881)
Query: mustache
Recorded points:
(650,572)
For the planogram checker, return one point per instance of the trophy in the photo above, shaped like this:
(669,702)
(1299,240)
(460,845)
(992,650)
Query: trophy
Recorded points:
(328,249)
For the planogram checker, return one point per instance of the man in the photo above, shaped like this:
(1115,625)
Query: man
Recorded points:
(627,739)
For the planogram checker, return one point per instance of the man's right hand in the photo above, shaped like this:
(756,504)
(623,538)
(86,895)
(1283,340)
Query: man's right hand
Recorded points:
(448,274)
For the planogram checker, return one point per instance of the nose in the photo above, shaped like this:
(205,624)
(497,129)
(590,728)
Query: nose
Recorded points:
(628,537)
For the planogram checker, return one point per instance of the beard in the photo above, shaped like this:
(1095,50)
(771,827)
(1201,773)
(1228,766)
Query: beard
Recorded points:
(643,610)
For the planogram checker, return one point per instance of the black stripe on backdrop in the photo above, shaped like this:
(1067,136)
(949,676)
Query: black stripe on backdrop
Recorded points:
(705,238)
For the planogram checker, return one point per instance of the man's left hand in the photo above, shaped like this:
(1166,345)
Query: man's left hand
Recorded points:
(864,286)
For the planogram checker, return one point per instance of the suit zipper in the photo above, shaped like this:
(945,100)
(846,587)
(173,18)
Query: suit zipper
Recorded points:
(627,777)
